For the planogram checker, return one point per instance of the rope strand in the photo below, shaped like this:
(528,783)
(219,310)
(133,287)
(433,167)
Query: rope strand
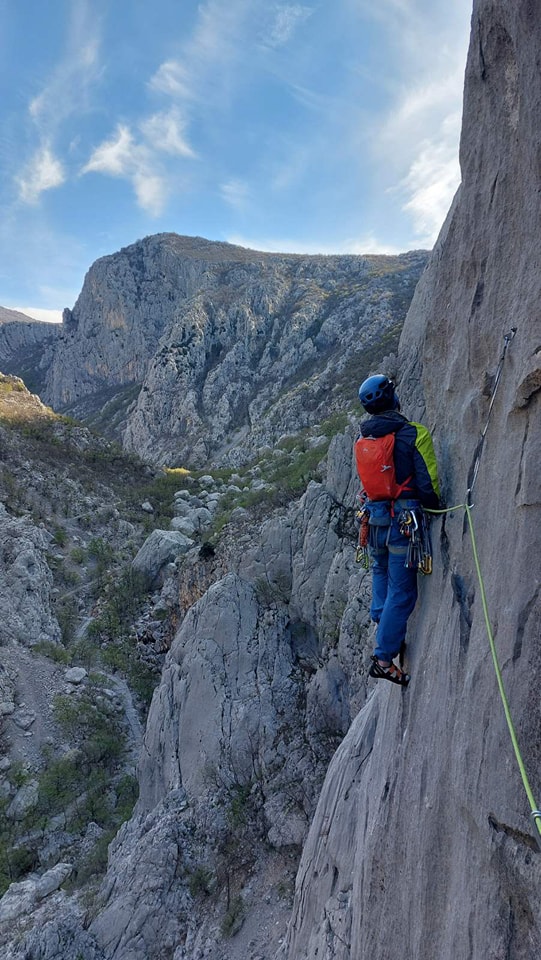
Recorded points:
(535,812)
(508,337)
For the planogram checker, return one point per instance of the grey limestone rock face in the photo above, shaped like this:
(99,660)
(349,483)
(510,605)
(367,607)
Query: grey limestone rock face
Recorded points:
(421,844)
(23,343)
(215,349)
(159,549)
(201,732)
(21,898)
(255,693)
(25,584)
(146,909)
(423,817)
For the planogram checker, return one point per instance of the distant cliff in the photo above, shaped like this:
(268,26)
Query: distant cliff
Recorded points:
(23,342)
(195,350)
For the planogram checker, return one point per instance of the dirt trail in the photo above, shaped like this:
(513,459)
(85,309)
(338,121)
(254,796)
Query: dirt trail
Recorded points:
(36,679)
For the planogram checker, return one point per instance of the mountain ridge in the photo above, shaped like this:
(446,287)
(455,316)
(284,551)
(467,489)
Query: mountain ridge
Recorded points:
(190,341)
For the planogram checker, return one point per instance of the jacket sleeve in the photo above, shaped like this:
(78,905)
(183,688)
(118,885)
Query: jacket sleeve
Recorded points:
(425,468)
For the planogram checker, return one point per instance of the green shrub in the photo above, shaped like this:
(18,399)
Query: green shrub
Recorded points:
(18,774)
(127,791)
(60,536)
(60,783)
(95,728)
(85,652)
(200,881)
(234,918)
(15,862)
(54,651)
(121,655)
(95,862)
(67,612)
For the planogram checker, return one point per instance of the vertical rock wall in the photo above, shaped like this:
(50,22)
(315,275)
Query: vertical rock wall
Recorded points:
(422,844)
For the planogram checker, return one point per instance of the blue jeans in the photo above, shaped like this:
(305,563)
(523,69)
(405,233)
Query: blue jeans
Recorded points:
(394,589)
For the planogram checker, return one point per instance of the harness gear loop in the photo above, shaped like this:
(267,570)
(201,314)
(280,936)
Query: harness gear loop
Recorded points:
(507,338)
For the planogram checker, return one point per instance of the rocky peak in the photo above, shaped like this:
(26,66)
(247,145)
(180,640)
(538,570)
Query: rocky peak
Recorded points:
(17,403)
(205,350)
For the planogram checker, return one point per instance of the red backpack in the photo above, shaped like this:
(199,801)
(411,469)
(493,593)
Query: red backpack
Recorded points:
(375,466)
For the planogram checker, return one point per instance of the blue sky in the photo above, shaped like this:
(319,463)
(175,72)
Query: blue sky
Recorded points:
(310,126)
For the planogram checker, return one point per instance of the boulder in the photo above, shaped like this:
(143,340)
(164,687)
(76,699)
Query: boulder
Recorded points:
(24,800)
(26,584)
(75,675)
(159,549)
(22,898)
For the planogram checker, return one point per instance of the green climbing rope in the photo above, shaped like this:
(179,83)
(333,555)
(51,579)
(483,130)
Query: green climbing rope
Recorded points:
(535,812)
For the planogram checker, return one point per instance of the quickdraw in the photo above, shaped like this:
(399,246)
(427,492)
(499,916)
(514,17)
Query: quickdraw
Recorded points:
(362,554)
(414,525)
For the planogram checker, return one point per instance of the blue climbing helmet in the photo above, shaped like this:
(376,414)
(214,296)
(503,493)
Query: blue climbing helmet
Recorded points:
(377,393)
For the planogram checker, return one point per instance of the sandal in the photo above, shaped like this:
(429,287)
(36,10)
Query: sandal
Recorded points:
(392,673)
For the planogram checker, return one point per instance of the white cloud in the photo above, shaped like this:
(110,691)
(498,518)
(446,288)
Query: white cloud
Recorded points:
(423,132)
(150,190)
(203,70)
(365,245)
(65,93)
(165,132)
(430,184)
(39,313)
(44,172)
(122,156)
(68,89)
(417,140)
(236,193)
(114,156)
(173,79)
(287,18)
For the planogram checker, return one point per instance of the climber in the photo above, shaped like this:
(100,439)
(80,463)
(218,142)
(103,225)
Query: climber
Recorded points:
(404,480)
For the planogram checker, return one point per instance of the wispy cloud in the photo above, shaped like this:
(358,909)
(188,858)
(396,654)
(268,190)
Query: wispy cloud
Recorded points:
(363,245)
(65,93)
(431,182)
(216,44)
(418,137)
(197,76)
(236,193)
(165,131)
(43,172)
(39,313)
(122,156)
(173,79)
(114,156)
(136,158)
(286,18)
(67,90)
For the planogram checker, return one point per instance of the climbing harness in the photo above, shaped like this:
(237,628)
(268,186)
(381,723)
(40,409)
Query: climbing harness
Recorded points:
(414,526)
(467,507)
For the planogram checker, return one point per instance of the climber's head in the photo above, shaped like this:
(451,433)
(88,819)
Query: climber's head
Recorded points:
(377,393)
